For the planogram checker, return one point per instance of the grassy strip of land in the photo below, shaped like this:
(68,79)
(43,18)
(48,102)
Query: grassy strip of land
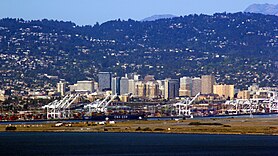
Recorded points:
(263,126)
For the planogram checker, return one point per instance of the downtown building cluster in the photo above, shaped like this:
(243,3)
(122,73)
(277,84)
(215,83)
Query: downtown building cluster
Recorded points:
(147,87)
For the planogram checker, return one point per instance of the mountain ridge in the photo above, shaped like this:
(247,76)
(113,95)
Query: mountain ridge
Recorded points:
(157,17)
(267,9)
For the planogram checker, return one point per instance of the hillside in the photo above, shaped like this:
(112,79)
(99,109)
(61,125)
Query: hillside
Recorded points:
(239,48)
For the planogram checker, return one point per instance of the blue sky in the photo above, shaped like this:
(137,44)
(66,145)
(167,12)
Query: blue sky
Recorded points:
(88,12)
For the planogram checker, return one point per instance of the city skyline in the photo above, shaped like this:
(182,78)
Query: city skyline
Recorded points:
(149,77)
(89,12)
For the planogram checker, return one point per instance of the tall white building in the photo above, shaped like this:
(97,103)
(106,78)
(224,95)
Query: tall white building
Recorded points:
(185,86)
(61,88)
(161,87)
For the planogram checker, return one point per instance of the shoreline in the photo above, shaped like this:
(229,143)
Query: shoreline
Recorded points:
(213,126)
(240,116)
(169,133)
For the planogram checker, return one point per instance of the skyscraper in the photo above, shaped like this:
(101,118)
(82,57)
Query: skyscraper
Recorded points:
(131,86)
(116,85)
(185,86)
(207,84)
(124,86)
(161,87)
(140,89)
(171,88)
(61,88)
(152,89)
(196,86)
(104,81)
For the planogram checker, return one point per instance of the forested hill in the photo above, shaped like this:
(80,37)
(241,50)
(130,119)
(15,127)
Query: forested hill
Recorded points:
(239,48)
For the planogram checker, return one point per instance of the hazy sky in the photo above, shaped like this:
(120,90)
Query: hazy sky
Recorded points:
(88,12)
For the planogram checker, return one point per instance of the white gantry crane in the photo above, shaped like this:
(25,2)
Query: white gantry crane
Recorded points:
(183,108)
(249,106)
(100,106)
(60,109)
(273,102)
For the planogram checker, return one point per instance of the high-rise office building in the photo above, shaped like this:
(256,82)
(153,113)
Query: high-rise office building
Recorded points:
(196,86)
(124,86)
(61,88)
(171,88)
(131,86)
(161,87)
(226,91)
(116,85)
(207,84)
(185,86)
(140,89)
(104,81)
(152,90)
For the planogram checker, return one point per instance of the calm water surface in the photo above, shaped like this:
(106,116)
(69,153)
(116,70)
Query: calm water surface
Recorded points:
(12,143)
